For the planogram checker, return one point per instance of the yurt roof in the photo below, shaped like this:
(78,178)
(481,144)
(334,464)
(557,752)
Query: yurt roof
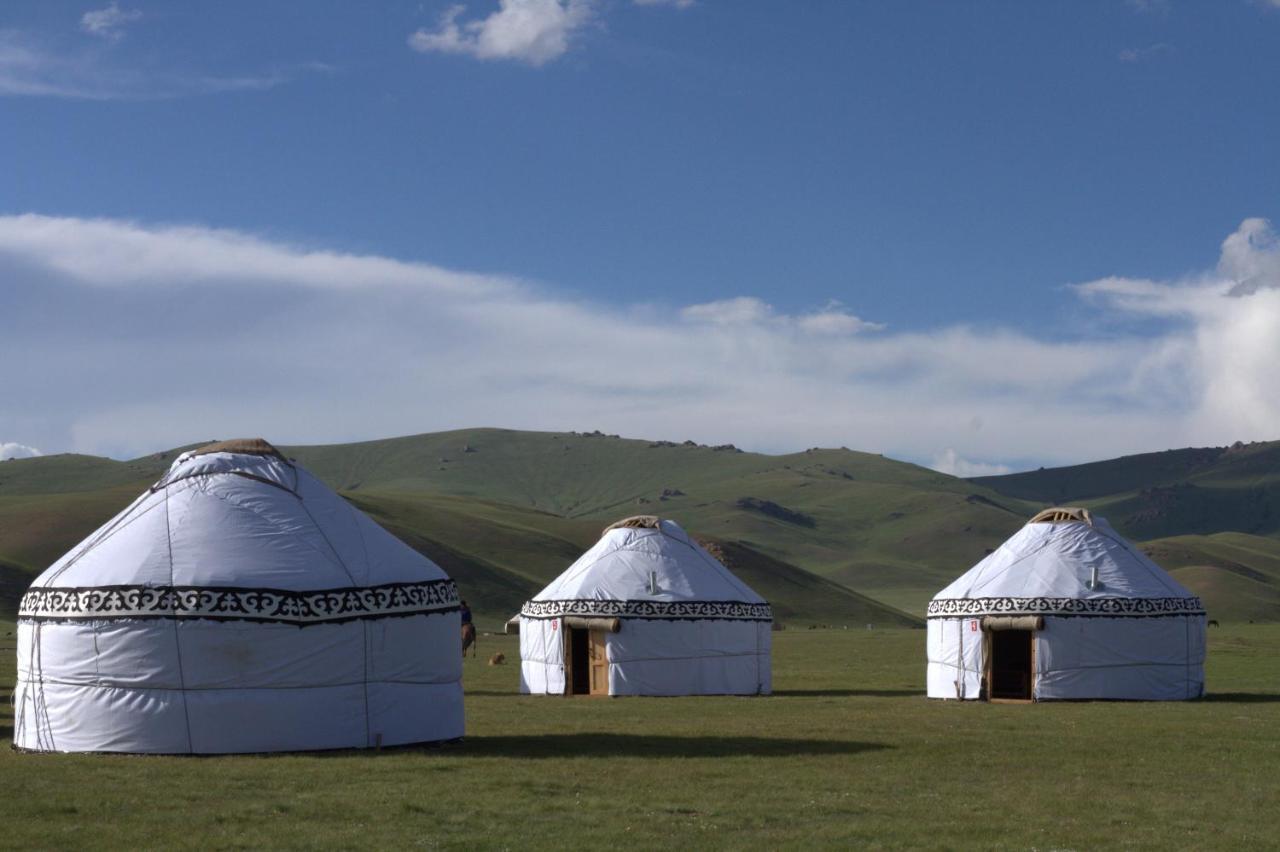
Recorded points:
(646,567)
(1065,562)
(234,530)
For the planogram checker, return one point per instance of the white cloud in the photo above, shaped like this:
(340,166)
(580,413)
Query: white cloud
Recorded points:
(10,450)
(171,334)
(109,23)
(949,462)
(1134,55)
(28,68)
(531,31)
(1159,6)
(680,4)
(748,310)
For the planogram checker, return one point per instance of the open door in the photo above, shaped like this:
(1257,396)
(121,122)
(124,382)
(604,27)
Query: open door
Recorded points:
(1011,665)
(578,656)
(599,660)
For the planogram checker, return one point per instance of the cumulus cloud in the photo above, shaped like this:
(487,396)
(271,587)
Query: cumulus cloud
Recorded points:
(530,31)
(109,23)
(949,462)
(29,68)
(11,450)
(170,334)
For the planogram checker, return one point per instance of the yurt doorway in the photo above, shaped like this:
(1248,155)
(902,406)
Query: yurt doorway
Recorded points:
(588,661)
(1011,665)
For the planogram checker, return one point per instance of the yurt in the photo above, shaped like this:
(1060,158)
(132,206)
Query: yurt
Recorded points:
(646,611)
(1066,609)
(238,605)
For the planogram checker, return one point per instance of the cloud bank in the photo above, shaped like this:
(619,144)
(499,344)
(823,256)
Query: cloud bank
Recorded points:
(530,31)
(151,336)
(108,23)
(29,67)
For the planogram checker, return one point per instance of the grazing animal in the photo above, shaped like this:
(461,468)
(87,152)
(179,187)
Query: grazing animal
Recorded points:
(468,638)
(1213,622)
(498,659)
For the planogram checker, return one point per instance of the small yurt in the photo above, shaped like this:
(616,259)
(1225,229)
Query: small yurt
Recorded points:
(646,611)
(1066,609)
(238,605)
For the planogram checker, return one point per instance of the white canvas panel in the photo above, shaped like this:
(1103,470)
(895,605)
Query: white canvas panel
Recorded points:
(98,718)
(541,656)
(135,541)
(618,568)
(1120,658)
(418,649)
(641,639)
(415,712)
(955,658)
(256,720)
(737,675)
(688,658)
(233,521)
(139,653)
(1058,560)
(239,654)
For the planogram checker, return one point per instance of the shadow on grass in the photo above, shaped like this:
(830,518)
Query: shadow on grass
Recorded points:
(6,731)
(646,745)
(866,693)
(1243,697)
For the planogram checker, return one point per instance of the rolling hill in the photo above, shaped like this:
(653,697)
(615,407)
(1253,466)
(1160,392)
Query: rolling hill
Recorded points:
(829,535)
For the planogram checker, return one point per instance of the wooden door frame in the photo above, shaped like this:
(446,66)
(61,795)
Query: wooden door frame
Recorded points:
(988,655)
(567,640)
(597,639)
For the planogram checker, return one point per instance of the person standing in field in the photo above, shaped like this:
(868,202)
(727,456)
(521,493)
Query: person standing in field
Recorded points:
(468,629)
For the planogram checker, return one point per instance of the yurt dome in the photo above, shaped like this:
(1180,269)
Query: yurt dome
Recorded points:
(646,611)
(1066,609)
(238,605)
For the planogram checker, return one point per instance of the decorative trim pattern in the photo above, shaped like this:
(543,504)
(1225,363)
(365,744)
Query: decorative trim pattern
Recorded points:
(650,610)
(218,603)
(1095,607)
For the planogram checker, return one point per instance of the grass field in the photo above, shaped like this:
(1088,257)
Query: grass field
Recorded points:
(846,752)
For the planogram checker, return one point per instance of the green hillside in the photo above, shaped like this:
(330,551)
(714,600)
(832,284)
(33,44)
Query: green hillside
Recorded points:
(829,535)
(1236,575)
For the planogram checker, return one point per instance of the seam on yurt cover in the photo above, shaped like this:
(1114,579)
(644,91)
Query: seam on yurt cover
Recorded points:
(177,638)
(715,564)
(630,660)
(280,527)
(1142,560)
(130,687)
(364,548)
(1043,544)
(364,630)
(1137,665)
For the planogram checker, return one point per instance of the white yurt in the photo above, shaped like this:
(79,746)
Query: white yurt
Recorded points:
(238,605)
(1066,609)
(646,611)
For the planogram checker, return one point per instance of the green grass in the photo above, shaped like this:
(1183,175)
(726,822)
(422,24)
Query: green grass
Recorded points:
(846,753)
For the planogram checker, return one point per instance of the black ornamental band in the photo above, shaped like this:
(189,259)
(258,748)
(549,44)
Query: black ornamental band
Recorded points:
(651,610)
(1096,607)
(323,606)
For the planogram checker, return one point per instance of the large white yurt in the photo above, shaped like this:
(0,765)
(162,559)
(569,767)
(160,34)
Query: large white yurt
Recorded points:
(646,611)
(238,605)
(1066,609)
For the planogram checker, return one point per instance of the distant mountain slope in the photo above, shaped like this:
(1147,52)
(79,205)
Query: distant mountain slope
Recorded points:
(1175,492)
(1236,575)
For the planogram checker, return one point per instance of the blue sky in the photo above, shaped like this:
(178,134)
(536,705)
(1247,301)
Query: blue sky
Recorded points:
(974,235)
